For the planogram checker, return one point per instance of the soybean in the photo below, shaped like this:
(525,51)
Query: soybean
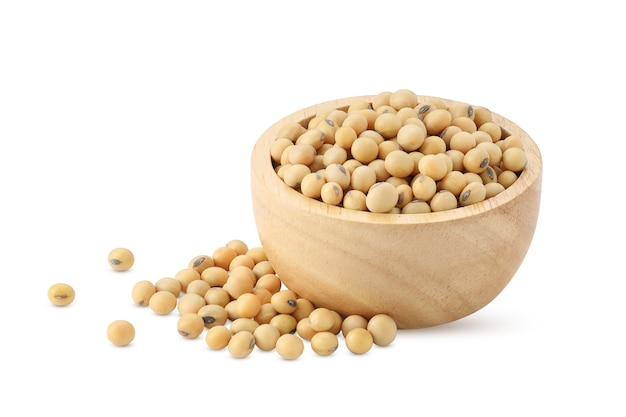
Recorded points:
(121,332)
(61,294)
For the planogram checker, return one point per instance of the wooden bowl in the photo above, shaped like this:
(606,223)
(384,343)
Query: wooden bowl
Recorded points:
(421,269)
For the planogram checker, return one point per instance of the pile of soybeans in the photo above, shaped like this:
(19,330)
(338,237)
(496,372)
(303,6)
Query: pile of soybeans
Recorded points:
(397,154)
(236,301)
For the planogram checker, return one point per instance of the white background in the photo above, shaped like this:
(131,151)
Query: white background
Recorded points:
(131,123)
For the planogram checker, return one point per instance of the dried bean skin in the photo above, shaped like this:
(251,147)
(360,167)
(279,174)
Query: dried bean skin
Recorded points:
(61,294)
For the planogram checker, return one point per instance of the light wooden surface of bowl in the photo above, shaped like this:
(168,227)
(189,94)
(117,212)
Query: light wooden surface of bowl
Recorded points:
(421,269)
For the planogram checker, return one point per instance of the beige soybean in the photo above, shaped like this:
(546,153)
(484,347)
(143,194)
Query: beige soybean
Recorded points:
(289,346)
(190,303)
(241,260)
(492,189)
(217,337)
(215,276)
(489,175)
(270,282)
(302,153)
(383,329)
(190,325)
(185,276)
(355,200)
(121,332)
(213,315)
(223,256)
(507,178)
(200,263)
(443,200)
(381,99)
(473,193)
(231,310)
(257,253)
(362,178)
(240,281)
(241,344)
(248,305)
(285,301)
(217,295)
(290,130)
(386,147)
(462,141)
(476,160)
(266,313)
(337,173)
(424,187)
(322,319)
(465,123)
(263,294)
(337,321)
(437,120)
(262,268)
(334,155)
(433,145)
(364,149)
(328,128)
(304,307)
(433,166)
(359,340)
(243,324)
(277,149)
(454,181)
(142,291)
(416,207)
(381,197)
(163,302)
(411,137)
(356,121)
(61,294)
(331,193)
(345,136)
(295,173)
(285,323)
(121,259)
(514,159)
(324,343)
(168,284)
(388,124)
(239,246)
(399,164)
(199,287)
(304,329)
(353,321)
(266,336)
(313,137)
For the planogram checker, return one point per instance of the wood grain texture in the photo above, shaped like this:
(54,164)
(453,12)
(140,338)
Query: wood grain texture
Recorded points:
(421,269)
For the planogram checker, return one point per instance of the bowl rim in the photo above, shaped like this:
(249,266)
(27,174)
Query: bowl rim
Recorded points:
(529,176)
